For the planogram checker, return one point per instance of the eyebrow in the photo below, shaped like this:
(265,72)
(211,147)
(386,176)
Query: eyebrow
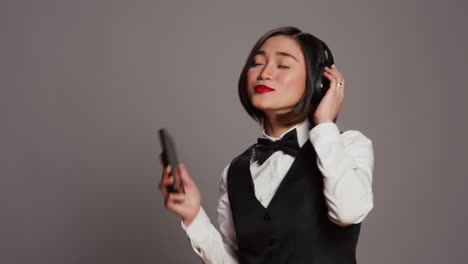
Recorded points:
(281,53)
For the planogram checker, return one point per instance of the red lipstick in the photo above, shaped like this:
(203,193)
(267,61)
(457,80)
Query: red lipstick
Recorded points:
(263,89)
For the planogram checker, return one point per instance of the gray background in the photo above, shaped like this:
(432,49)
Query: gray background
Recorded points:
(86,84)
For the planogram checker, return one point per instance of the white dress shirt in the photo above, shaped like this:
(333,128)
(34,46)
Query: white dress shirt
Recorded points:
(346,162)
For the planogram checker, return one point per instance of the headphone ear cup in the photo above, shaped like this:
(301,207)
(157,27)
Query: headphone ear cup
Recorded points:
(321,85)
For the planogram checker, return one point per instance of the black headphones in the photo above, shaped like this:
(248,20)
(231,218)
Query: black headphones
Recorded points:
(322,83)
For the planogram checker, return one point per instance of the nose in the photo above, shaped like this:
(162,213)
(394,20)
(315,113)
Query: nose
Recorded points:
(266,73)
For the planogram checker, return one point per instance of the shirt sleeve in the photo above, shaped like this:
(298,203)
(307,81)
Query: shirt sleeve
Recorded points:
(346,162)
(212,246)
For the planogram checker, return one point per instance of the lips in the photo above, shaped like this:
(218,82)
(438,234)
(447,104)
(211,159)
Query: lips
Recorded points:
(263,89)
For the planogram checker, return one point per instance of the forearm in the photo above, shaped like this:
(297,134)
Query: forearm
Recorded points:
(207,242)
(347,172)
(349,195)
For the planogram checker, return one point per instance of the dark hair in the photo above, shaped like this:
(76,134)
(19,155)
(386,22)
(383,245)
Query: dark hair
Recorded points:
(313,53)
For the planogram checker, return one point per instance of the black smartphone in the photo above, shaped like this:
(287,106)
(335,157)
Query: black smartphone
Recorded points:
(170,158)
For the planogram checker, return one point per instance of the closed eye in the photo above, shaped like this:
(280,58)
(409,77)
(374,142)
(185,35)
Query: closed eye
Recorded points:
(279,66)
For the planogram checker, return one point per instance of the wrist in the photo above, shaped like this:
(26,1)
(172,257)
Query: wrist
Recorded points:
(317,122)
(189,219)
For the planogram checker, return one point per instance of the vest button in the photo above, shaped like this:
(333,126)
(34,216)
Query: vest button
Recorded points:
(267,217)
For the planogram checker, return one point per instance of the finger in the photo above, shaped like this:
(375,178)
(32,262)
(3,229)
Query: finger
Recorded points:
(334,84)
(338,72)
(166,171)
(163,188)
(337,75)
(187,181)
(175,202)
(178,208)
(165,180)
(333,73)
(176,197)
(333,80)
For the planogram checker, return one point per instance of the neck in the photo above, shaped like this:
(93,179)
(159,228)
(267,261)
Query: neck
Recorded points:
(275,129)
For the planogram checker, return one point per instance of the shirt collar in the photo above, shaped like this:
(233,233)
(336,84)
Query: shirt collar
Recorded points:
(302,131)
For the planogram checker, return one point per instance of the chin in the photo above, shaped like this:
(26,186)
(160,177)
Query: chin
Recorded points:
(262,105)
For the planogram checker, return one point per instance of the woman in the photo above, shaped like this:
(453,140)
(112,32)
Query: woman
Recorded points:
(300,194)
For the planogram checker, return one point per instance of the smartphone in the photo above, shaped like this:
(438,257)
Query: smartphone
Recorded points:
(170,158)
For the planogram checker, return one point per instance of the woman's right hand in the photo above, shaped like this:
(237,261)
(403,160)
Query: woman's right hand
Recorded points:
(185,204)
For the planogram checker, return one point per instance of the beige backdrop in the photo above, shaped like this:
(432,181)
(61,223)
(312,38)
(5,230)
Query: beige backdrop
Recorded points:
(86,84)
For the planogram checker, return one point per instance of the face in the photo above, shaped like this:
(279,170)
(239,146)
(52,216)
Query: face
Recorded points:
(279,64)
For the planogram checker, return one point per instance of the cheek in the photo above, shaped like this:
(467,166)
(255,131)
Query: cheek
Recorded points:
(251,80)
(294,82)
(251,76)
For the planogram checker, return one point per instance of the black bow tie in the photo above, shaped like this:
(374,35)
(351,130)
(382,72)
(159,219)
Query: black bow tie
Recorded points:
(265,147)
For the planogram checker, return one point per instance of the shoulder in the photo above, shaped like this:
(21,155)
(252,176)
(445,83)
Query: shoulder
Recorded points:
(223,179)
(357,143)
(225,171)
(354,136)
(329,131)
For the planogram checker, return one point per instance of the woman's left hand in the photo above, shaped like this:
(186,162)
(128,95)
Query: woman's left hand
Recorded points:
(332,102)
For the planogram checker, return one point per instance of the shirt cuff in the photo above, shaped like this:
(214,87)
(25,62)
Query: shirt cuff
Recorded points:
(324,132)
(197,231)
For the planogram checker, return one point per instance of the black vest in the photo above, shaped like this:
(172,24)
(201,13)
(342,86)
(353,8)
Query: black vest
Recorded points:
(294,228)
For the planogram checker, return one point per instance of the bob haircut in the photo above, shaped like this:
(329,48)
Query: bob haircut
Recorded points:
(313,53)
